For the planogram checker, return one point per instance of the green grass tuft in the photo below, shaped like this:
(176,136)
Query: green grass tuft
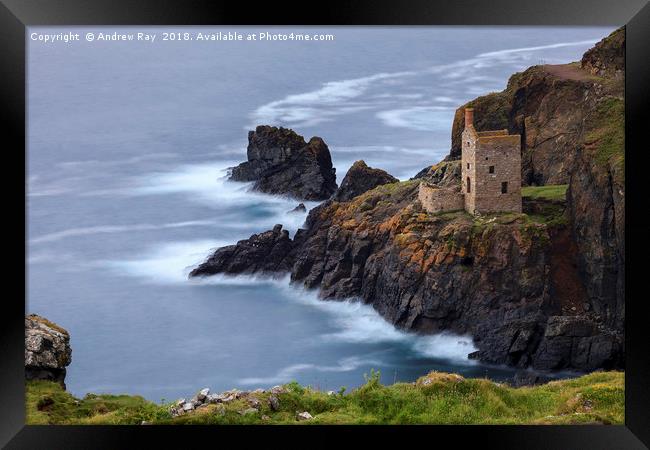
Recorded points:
(550,192)
(437,398)
(607,133)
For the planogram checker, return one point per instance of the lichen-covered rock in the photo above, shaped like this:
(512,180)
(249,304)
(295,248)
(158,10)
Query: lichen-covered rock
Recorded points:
(359,179)
(274,403)
(607,58)
(443,174)
(281,162)
(47,350)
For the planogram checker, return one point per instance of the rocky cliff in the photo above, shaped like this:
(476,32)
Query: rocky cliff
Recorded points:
(492,278)
(543,288)
(571,119)
(47,350)
(281,162)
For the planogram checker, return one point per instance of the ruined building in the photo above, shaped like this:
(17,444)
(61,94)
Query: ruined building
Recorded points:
(491,174)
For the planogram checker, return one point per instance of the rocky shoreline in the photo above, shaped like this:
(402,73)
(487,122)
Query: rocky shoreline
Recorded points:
(541,290)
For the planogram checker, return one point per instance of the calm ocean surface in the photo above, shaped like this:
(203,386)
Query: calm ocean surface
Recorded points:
(128,143)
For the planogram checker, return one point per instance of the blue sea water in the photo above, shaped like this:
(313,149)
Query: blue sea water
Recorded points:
(128,145)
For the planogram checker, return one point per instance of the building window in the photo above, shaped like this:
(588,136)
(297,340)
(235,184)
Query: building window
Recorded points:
(469,189)
(491,169)
(504,187)
(468,165)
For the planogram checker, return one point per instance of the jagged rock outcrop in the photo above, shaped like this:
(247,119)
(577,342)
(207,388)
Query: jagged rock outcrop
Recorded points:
(47,350)
(361,178)
(281,162)
(547,295)
(443,174)
(301,208)
(265,252)
(607,58)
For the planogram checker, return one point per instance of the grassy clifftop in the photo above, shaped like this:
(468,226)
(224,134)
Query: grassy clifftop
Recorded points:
(436,398)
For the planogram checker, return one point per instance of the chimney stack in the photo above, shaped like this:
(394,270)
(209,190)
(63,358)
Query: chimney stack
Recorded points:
(469,117)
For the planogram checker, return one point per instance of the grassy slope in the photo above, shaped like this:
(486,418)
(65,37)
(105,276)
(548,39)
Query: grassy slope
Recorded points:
(548,192)
(437,398)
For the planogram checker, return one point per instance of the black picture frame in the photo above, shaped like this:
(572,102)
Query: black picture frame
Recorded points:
(16,15)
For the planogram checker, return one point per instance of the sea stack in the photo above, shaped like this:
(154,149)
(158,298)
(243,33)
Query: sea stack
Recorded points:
(281,162)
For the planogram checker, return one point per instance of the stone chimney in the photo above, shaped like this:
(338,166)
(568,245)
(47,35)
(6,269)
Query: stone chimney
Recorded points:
(469,117)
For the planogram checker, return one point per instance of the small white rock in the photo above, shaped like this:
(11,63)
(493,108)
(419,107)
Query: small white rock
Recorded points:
(189,406)
(203,393)
(303,416)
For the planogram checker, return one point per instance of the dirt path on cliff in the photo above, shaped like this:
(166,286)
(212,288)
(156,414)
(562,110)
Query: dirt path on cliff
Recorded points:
(568,72)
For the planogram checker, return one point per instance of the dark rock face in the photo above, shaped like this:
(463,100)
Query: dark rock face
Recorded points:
(607,58)
(529,378)
(265,253)
(47,350)
(596,200)
(571,118)
(577,341)
(281,162)
(359,179)
(301,208)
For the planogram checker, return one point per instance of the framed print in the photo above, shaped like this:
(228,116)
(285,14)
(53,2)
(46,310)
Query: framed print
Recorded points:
(351,220)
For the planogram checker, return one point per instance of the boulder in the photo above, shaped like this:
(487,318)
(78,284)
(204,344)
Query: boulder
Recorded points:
(281,162)
(359,179)
(47,350)
(274,403)
(303,416)
(203,393)
(188,406)
(301,208)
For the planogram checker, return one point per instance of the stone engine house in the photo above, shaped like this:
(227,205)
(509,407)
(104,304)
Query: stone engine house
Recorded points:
(490,174)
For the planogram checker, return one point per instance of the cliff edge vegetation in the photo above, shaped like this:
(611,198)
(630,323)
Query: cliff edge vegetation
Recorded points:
(437,398)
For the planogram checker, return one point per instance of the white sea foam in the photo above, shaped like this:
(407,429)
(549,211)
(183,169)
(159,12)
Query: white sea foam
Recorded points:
(360,323)
(424,118)
(169,263)
(289,373)
(329,100)
(208,185)
(537,48)
(354,321)
(337,98)
(99,229)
